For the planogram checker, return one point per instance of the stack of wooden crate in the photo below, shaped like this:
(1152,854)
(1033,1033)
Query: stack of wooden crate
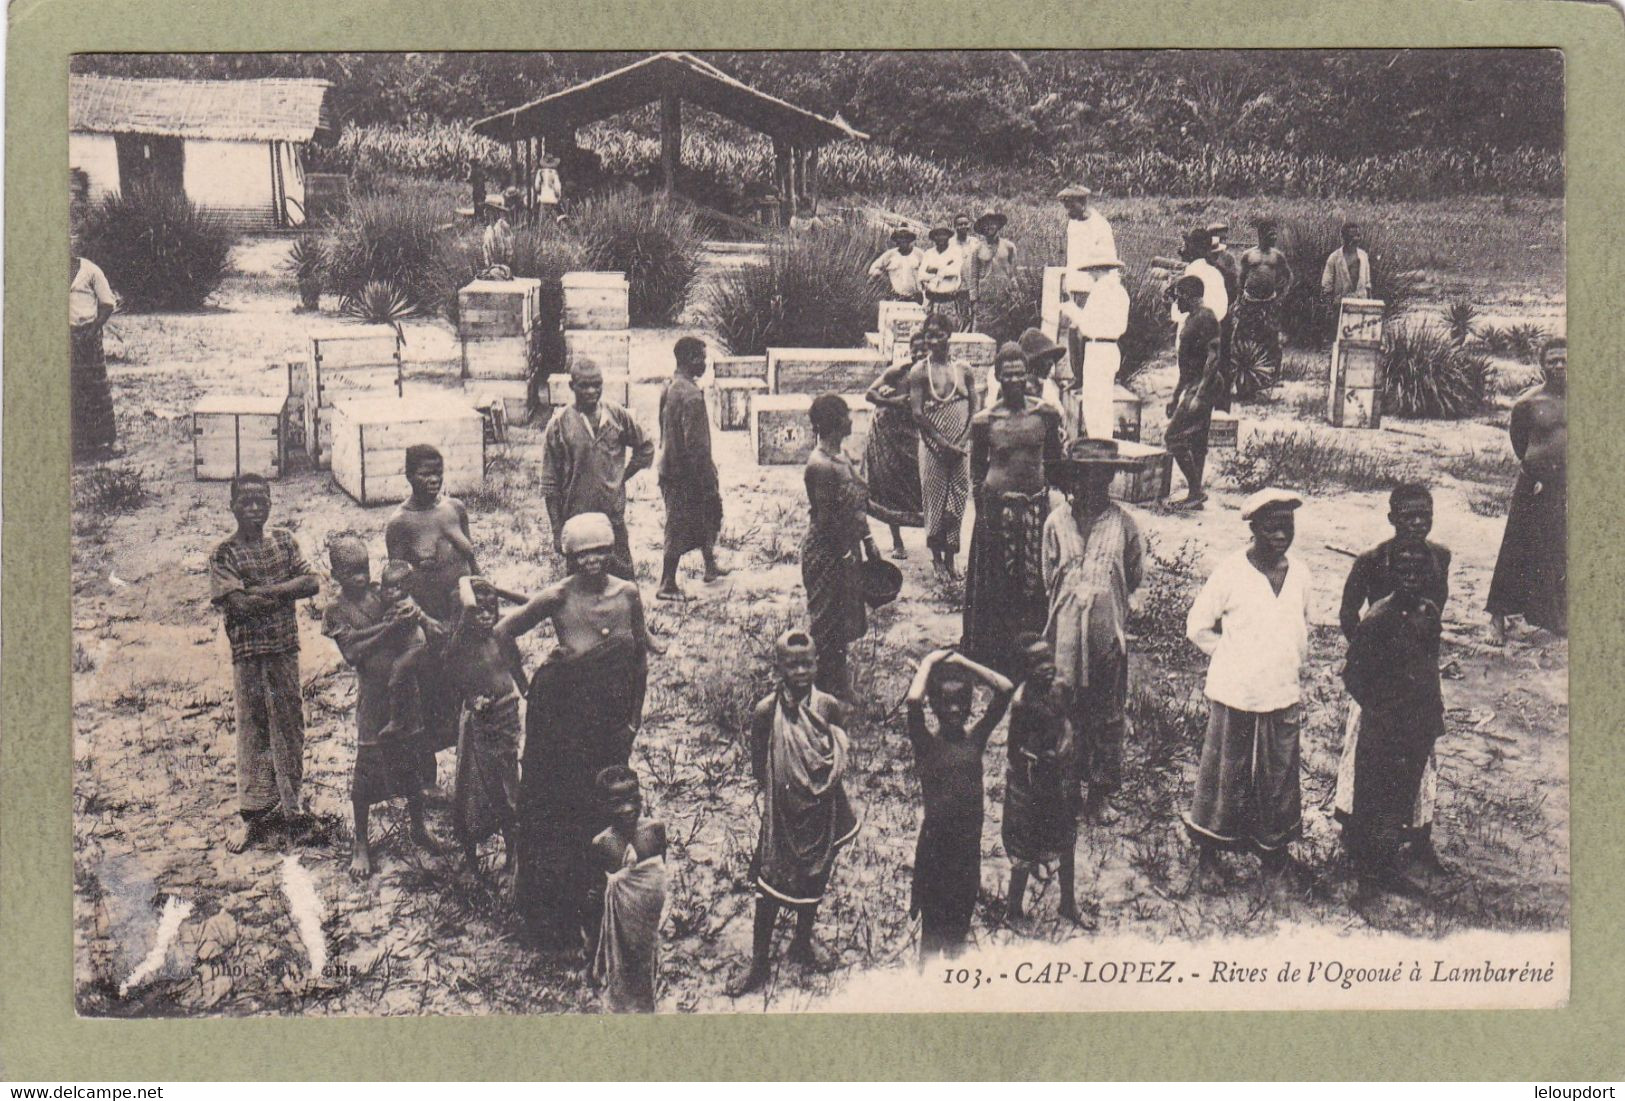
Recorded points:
(596,320)
(236,434)
(496,326)
(734,383)
(898,322)
(344,366)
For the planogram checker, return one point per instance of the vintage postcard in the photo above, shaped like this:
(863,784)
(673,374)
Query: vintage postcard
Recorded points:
(818,531)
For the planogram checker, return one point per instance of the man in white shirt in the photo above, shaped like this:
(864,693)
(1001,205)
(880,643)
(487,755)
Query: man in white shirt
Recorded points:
(1252,620)
(90,304)
(1096,319)
(1196,251)
(899,266)
(942,277)
(1088,233)
(549,189)
(1347,273)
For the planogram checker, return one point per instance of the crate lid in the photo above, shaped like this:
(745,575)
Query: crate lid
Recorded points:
(612,279)
(500,286)
(253,404)
(391,410)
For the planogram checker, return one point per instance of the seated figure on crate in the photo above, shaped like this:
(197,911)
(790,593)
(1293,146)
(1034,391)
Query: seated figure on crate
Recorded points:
(586,462)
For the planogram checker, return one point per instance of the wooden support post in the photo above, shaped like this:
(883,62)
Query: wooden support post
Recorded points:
(671,137)
(798,165)
(812,177)
(530,175)
(781,176)
(513,166)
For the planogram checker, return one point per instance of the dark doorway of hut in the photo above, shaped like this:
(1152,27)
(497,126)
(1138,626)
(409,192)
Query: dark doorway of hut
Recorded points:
(148,161)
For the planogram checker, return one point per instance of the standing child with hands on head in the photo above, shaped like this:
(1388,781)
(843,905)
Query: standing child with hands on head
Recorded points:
(490,678)
(256,577)
(361,624)
(948,855)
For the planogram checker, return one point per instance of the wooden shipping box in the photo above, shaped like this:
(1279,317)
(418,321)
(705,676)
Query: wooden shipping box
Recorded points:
(617,388)
(236,434)
(1151,478)
(823,370)
(1224,431)
(1354,386)
(498,307)
(781,429)
(898,322)
(1126,412)
(611,351)
(739,367)
(595,300)
(729,401)
(344,366)
(370,438)
(498,357)
(974,350)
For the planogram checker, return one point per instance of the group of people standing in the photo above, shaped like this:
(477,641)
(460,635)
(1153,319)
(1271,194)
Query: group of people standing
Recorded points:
(1045,629)
(965,266)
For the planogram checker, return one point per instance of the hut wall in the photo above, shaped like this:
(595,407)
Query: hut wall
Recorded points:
(232,179)
(96,155)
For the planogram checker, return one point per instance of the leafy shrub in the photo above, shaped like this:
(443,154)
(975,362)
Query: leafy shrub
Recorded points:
(392,239)
(1494,339)
(654,241)
(1312,461)
(1149,331)
(1458,319)
(305,263)
(1525,341)
(379,302)
(1157,618)
(1252,369)
(1427,374)
(103,490)
(1008,308)
(159,251)
(812,291)
(1308,317)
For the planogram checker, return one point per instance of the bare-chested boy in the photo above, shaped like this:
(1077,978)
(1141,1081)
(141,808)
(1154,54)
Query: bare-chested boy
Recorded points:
(489,677)
(360,622)
(631,854)
(406,649)
(948,854)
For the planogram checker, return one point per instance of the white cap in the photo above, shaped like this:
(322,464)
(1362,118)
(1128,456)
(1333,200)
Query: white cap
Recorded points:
(1269,498)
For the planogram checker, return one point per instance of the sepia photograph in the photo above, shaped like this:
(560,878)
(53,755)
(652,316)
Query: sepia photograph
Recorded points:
(809,531)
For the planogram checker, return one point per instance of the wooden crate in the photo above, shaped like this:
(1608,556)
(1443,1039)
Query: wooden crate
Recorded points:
(974,350)
(236,434)
(1126,413)
(1151,477)
(781,430)
(1355,407)
(1354,387)
(514,394)
(871,340)
(341,367)
(822,370)
(496,357)
(595,300)
(1223,431)
(617,388)
(730,400)
(611,351)
(898,322)
(498,307)
(739,367)
(370,438)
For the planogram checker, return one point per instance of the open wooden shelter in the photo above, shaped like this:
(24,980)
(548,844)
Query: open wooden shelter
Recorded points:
(672,79)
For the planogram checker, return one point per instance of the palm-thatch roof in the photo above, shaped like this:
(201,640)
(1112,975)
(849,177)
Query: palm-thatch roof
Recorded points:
(643,82)
(226,110)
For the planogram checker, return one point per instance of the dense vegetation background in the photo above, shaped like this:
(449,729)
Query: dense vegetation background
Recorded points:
(1050,111)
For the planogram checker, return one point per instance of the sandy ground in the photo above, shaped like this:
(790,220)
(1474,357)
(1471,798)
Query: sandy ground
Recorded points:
(154,751)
